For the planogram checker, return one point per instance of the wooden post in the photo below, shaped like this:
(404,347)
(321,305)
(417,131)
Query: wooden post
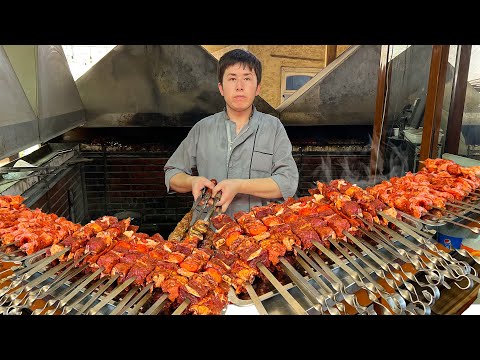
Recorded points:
(379,124)
(434,102)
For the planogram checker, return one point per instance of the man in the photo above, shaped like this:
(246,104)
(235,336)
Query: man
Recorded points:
(246,151)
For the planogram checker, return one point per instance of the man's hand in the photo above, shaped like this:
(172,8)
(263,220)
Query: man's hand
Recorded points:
(229,188)
(198,183)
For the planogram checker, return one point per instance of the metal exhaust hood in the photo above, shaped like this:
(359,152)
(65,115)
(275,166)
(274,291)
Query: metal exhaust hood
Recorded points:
(153,85)
(38,96)
(344,92)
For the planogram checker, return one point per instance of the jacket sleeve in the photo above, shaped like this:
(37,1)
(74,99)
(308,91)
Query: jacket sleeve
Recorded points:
(284,171)
(183,159)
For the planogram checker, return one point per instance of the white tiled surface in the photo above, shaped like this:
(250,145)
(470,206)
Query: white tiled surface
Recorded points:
(241,310)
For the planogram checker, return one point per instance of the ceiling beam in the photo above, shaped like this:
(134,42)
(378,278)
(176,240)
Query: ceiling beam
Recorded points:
(330,53)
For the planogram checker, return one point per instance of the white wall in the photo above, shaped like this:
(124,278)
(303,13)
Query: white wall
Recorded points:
(82,57)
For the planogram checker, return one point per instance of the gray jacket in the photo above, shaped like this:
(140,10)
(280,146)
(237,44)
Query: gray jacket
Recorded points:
(262,149)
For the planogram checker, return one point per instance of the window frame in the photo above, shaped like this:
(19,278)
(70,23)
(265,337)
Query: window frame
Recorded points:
(292,71)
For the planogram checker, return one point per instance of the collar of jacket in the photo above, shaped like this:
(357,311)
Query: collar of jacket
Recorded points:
(254,112)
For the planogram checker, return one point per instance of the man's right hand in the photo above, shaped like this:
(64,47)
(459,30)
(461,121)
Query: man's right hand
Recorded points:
(198,183)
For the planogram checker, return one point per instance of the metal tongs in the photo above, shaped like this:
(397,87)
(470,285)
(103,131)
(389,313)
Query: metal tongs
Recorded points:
(201,205)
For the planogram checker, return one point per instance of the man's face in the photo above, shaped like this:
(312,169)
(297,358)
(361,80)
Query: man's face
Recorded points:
(239,87)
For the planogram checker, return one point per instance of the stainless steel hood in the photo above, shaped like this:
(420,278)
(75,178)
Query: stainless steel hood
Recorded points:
(343,93)
(59,106)
(18,122)
(38,96)
(153,85)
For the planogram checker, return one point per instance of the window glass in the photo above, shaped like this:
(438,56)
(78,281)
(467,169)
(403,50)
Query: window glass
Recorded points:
(469,144)
(406,91)
(295,82)
(293,78)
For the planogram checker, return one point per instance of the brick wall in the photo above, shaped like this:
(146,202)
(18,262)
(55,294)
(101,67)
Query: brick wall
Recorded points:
(134,182)
(131,181)
(64,195)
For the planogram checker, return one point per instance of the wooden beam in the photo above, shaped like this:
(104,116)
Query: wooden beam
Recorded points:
(434,102)
(457,102)
(379,125)
(319,59)
(330,53)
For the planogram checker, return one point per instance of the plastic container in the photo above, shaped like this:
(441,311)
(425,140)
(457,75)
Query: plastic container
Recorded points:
(452,236)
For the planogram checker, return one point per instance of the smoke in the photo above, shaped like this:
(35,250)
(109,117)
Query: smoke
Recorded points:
(396,160)
(355,167)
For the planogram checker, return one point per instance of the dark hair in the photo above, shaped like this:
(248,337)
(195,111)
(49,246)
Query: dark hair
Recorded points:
(243,57)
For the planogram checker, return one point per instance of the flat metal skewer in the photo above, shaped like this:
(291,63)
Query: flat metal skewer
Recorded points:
(156,307)
(255,299)
(468,208)
(140,303)
(69,307)
(179,310)
(97,294)
(134,300)
(286,295)
(305,287)
(110,296)
(456,215)
(119,308)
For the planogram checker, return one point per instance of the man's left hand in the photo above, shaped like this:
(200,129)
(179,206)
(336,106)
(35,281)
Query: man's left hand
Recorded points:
(229,188)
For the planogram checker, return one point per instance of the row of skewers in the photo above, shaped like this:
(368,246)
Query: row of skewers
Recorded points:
(196,267)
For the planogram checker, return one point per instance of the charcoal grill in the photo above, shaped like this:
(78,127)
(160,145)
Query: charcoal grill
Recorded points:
(368,275)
